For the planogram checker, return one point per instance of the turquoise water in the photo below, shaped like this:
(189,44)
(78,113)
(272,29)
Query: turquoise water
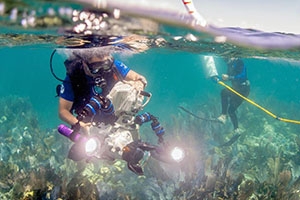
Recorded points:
(173,77)
(25,73)
(262,163)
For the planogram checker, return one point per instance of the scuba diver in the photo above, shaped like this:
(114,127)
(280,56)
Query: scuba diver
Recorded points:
(91,72)
(100,98)
(237,74)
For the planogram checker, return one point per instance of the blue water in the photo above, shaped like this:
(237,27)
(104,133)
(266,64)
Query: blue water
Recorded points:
(176,76)
(173,77)
(25,73)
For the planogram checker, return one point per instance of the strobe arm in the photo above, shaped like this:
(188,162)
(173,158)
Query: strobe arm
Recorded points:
(98,104)
(155,125)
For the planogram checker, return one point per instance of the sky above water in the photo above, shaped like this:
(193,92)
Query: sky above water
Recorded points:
(265,15)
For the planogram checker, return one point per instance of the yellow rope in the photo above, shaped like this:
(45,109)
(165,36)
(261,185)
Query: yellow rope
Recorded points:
(258,106)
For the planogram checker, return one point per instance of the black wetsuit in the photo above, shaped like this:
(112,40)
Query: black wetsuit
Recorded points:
(237,72)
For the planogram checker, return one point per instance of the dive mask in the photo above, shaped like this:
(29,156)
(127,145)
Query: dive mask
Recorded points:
(101,66)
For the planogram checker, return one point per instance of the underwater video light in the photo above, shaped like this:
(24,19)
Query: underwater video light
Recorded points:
(92,145)
(86,146)
(70,133)
(177,154)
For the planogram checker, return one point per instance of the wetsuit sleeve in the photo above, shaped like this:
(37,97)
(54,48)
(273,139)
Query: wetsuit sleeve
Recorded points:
(241,73)
(66,91)
(122,68)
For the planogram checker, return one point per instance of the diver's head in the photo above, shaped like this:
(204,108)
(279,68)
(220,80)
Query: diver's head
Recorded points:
(94,60)
(96,68)
(235,62)
(98,65)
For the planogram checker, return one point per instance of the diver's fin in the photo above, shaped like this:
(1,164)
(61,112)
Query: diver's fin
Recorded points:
(231,141)
(202,118)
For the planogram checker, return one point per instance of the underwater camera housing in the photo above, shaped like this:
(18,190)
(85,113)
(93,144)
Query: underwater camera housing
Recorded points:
(127,100)
(122,103)
(127,103)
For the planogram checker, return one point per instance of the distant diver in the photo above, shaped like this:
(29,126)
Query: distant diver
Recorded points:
(237,74)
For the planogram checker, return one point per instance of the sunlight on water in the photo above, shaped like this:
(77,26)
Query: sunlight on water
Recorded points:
(174,55)
(45,24)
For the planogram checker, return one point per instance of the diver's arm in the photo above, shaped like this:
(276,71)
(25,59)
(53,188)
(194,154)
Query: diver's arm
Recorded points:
(64,111)
(240,72)
(140,81)
(65,114)
(134,76)
(130,75)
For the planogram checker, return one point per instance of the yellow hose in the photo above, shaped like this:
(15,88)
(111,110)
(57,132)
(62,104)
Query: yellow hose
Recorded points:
(258,106)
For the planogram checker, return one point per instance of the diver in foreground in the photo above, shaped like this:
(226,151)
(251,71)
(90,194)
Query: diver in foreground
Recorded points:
(100,98)
(89,73)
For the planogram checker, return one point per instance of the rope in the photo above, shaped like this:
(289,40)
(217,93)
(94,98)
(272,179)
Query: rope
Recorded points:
(258,106)
(189,5)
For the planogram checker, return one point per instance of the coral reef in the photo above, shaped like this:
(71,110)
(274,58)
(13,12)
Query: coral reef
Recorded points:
(263,163)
